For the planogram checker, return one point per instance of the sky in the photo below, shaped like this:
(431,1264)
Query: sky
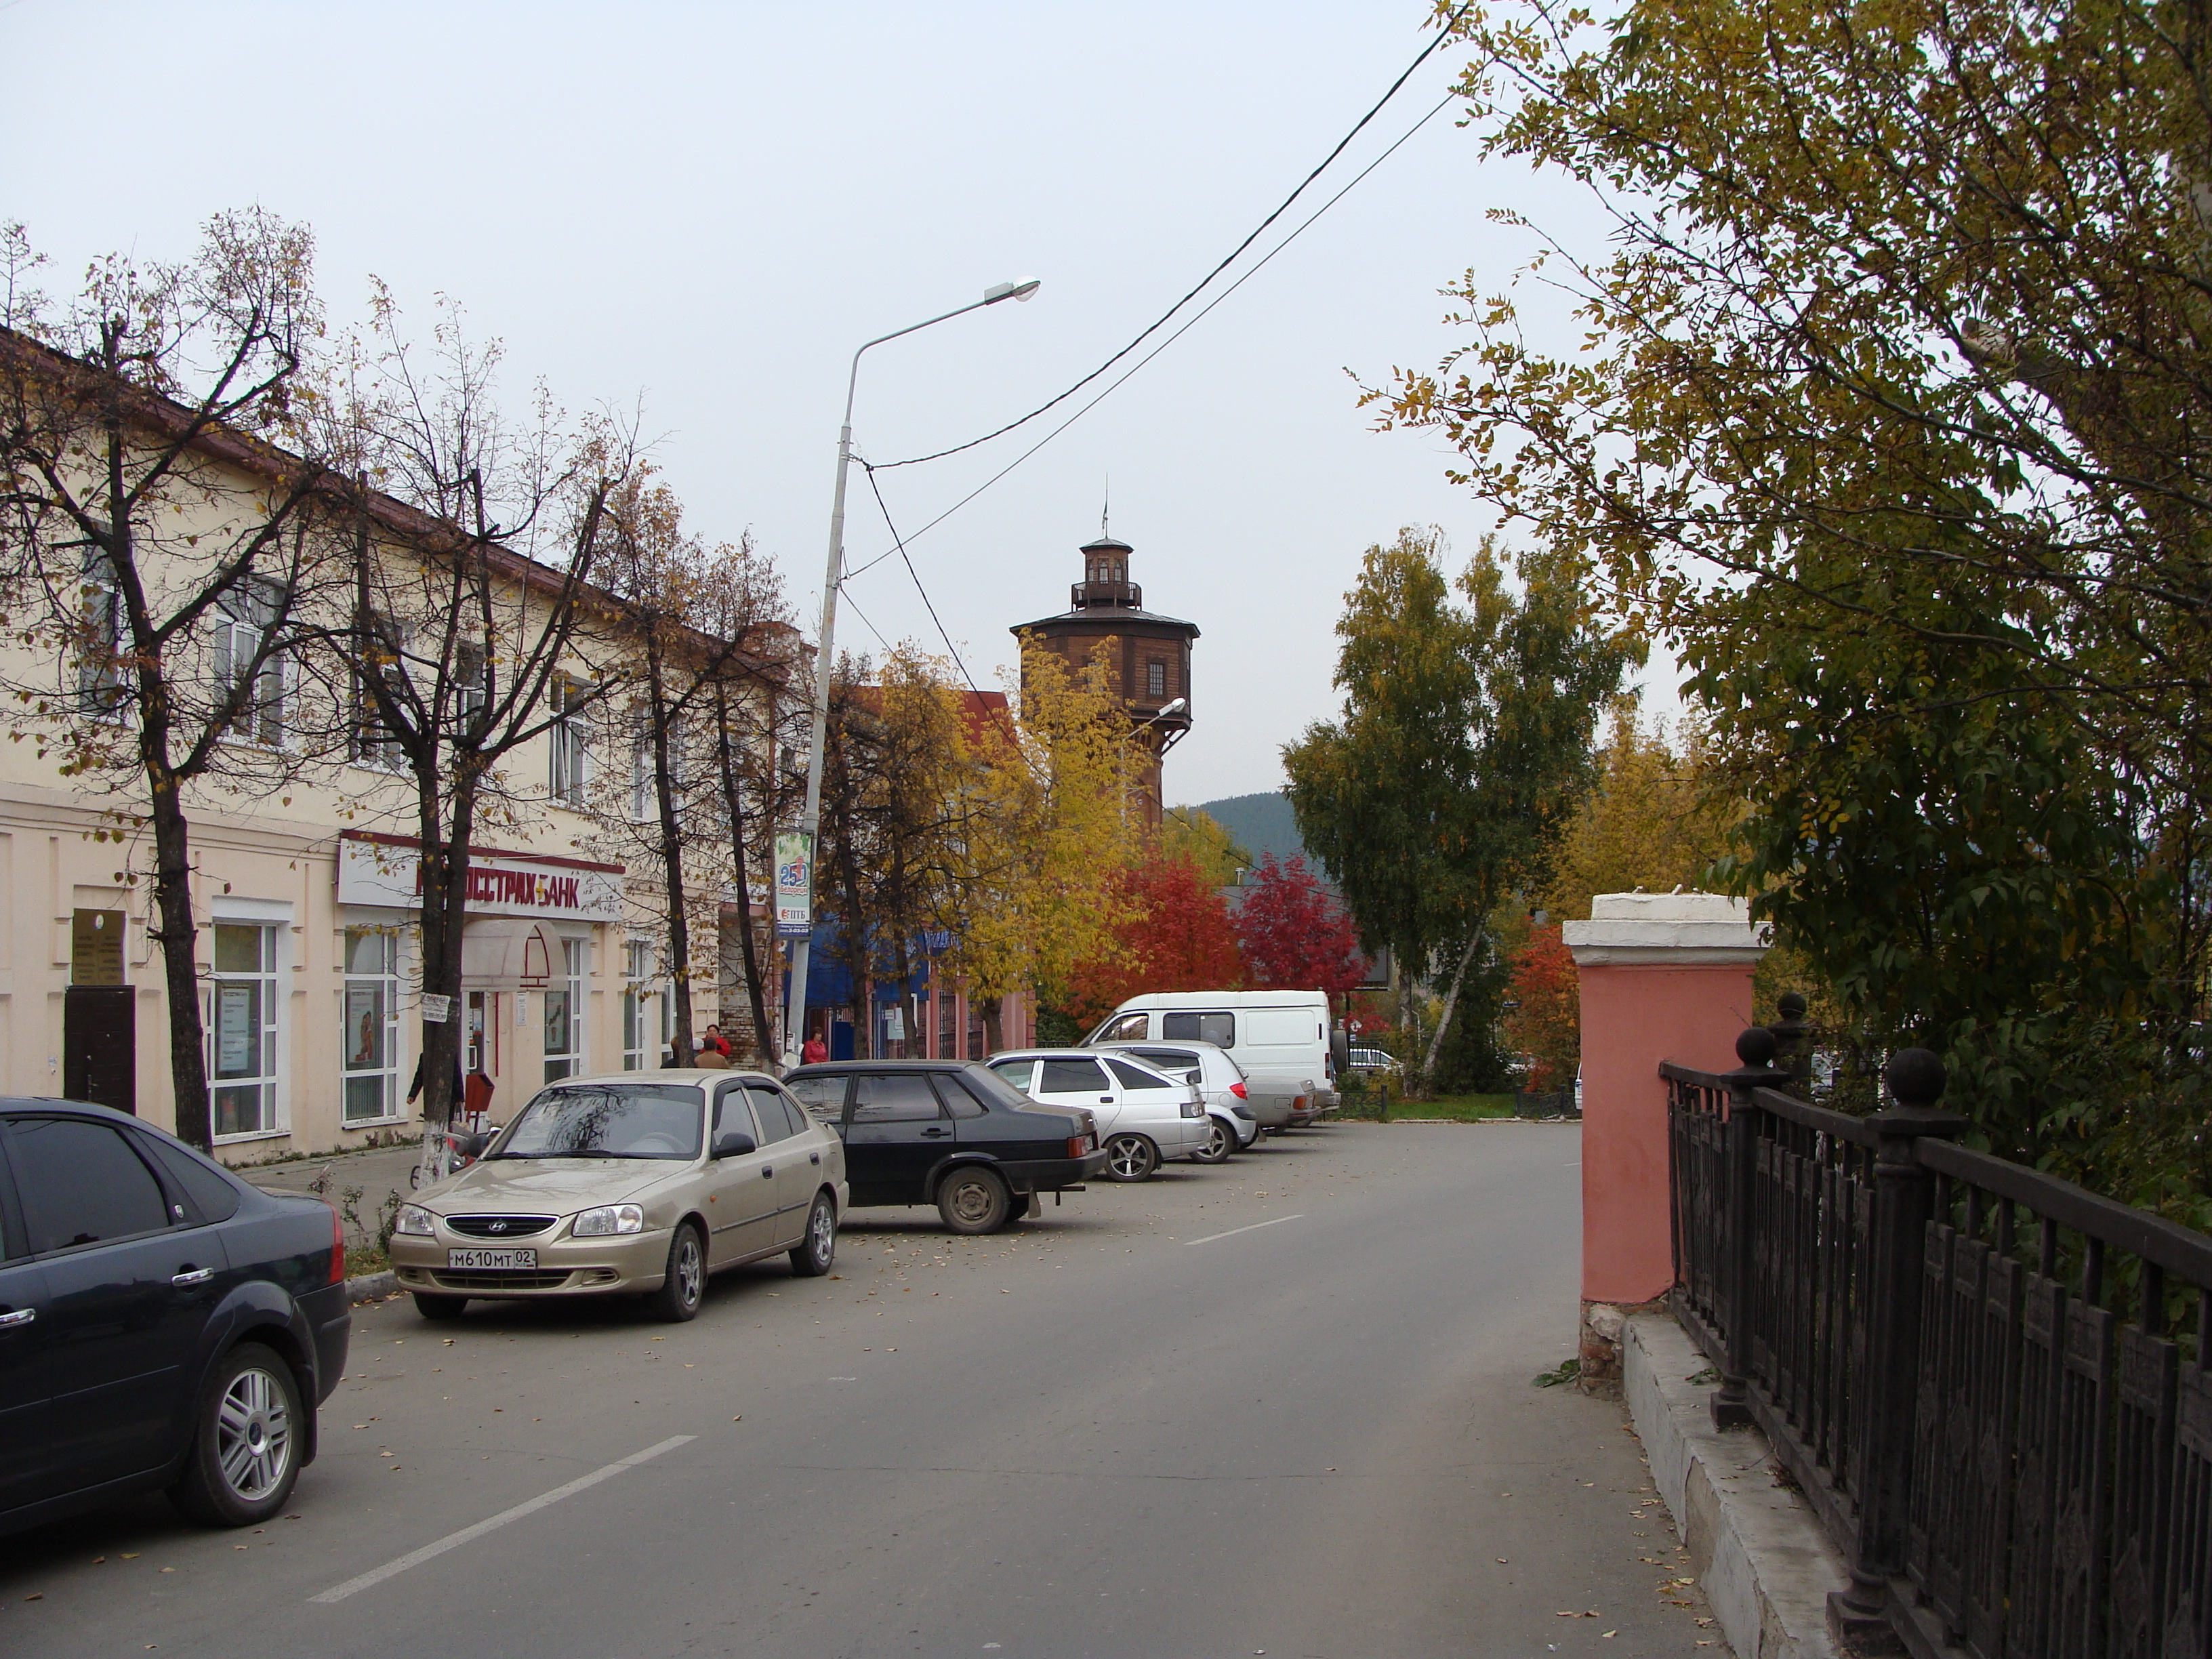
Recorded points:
(707,208)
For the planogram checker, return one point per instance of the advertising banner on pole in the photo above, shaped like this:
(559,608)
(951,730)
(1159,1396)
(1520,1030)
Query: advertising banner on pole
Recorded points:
(794,886)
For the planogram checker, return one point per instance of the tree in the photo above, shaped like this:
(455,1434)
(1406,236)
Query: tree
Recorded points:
(1463,747)
(1650,823)
(1294,935)
(1199,838)
(1886,414)
(1035,886)
(474,629)
(692,621)
(1175,934)
(1546,1019)
(164,540)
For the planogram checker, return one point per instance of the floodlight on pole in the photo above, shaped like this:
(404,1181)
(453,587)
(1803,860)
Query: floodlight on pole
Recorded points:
(810,823)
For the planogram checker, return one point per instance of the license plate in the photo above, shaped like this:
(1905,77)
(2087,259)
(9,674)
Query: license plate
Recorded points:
(491,1258)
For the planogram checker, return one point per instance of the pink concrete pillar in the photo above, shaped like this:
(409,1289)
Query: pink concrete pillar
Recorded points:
(1664,977)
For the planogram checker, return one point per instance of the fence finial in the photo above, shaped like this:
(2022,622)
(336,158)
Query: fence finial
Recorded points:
(1755,1048)
(1916,1078)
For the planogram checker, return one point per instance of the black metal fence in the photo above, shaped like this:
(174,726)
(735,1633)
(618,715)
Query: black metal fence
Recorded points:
(1991,1384)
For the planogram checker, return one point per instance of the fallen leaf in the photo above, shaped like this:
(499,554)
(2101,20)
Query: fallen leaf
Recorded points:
(40,1595)
(130,1555)
(1607,1634)
(1502,1561)
(168,1570)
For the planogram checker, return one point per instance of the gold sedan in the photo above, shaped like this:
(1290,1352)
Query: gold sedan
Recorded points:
(637,1183)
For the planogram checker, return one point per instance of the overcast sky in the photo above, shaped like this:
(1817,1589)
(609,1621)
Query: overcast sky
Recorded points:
(712,205)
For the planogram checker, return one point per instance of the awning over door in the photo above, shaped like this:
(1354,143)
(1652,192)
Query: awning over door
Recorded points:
(506,953)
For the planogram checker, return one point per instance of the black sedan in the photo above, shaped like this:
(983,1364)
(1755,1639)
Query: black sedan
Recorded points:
(162,1323)
(949,1133)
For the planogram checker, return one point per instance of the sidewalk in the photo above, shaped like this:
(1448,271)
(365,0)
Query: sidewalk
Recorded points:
(379,1172)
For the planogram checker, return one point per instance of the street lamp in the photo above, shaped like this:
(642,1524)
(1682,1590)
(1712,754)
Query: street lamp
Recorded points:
(810,823)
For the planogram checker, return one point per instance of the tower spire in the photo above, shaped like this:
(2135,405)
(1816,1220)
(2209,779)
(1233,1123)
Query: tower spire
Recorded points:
(1106,510)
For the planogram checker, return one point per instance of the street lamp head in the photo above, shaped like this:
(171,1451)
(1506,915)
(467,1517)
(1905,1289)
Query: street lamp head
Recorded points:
(1176,706)
(1021,290)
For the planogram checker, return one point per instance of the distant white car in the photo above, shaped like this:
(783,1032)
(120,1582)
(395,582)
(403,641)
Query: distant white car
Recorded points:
(1220,1084)
(1370,1061)
(1145,1115)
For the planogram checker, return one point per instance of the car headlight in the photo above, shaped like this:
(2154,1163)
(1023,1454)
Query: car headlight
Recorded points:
(413,1218)
(608,1219)
(1192,1109)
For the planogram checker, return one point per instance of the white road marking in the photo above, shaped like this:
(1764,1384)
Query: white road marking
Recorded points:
(1254,1228)
(454,1540)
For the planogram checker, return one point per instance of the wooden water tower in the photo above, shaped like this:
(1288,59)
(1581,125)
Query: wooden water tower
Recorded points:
(1148,654)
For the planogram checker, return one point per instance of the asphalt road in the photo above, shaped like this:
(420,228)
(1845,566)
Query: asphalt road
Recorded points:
(1279,1407)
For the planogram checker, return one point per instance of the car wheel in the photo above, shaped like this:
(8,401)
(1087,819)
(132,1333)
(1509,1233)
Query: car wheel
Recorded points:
(1220,1142)
(1131,1158)
(246,1445)
(431,1305)
(684,1285)
(818,1247)
(973,1200)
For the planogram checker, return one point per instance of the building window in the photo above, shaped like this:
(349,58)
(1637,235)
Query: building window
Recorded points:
(371,1037)
(564,1014)
(100,681)
(643,994)
(1156,677)
(469,690)
(947,1033)
(974,1030)
(242,1030)
(245,667)
(569,701)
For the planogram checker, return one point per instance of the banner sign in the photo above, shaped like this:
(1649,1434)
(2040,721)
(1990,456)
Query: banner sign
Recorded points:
(373,872)
(794,886)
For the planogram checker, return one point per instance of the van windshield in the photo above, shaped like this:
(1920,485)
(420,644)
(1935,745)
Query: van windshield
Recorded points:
(1217,1029)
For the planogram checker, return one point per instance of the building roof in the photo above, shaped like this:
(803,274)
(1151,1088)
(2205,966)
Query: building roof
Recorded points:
(1106,613)
(1106,545)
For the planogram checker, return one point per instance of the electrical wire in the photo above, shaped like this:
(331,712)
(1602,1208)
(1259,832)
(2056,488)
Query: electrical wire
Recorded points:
(1420,58)
(1261,264)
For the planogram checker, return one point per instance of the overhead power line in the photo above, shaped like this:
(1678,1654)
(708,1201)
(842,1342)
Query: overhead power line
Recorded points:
(1443,34)
(1107,392)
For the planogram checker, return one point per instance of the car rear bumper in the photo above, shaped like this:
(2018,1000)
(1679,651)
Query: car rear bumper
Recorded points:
(1048,1175)
(329,1326)
(1273,1111)
(566,1266)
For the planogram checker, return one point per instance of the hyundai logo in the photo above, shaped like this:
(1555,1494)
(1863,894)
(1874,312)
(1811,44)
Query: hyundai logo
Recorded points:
(496,1227)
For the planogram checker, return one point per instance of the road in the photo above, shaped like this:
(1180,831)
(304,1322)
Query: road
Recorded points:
(1279,1407)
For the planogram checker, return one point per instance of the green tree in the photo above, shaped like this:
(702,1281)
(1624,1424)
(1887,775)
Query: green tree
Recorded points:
(1885,411)
(1463,747)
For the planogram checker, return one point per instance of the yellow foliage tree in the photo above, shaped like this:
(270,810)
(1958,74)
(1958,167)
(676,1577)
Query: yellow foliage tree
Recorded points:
(1647,825)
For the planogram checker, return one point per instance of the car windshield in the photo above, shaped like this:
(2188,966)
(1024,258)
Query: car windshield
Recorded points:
(608,1119)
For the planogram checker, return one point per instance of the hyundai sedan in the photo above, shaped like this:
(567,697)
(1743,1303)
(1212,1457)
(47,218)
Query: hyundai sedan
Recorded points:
(639,1183)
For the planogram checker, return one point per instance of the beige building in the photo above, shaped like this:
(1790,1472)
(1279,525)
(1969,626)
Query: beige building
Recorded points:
(303,889)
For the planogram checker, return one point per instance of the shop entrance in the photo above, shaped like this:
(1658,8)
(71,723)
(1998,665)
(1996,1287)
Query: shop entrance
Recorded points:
(100,1037)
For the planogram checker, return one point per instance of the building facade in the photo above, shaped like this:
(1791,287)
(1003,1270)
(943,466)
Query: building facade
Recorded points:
(1147,655)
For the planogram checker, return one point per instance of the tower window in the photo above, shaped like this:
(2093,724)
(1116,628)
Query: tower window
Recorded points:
(1156,677)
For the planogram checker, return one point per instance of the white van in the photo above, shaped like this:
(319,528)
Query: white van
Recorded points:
(1279,1038)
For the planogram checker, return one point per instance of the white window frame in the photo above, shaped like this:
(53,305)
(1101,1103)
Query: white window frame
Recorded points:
(640,987)
(569,766)
(575,968)
(386,981)
(238,633)
(274,918)
(101,689)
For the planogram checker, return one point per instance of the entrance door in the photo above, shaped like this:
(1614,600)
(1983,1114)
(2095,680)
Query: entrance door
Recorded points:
(99,1054)
(100,1047)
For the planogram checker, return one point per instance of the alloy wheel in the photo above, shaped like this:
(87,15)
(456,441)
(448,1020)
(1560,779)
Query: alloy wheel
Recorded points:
(691,1269)
(1129,1157)
(822,1232)
(254,1435)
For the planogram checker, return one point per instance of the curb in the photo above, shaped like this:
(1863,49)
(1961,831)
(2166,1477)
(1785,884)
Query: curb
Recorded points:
(1760,1556)
(371,1287)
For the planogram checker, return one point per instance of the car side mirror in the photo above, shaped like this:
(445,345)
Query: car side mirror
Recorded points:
(734,1143)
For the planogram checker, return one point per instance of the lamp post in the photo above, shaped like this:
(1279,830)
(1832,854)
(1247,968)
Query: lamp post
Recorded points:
(810,823)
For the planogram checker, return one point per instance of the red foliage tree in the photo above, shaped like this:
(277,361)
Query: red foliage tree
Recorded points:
(1294,935)
(1179,937)
(1548,1023)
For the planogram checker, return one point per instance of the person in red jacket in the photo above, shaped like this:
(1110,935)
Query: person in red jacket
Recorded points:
(814,1052)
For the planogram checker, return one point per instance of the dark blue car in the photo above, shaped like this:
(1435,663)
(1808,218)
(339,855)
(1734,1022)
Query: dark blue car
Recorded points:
(162,1323)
